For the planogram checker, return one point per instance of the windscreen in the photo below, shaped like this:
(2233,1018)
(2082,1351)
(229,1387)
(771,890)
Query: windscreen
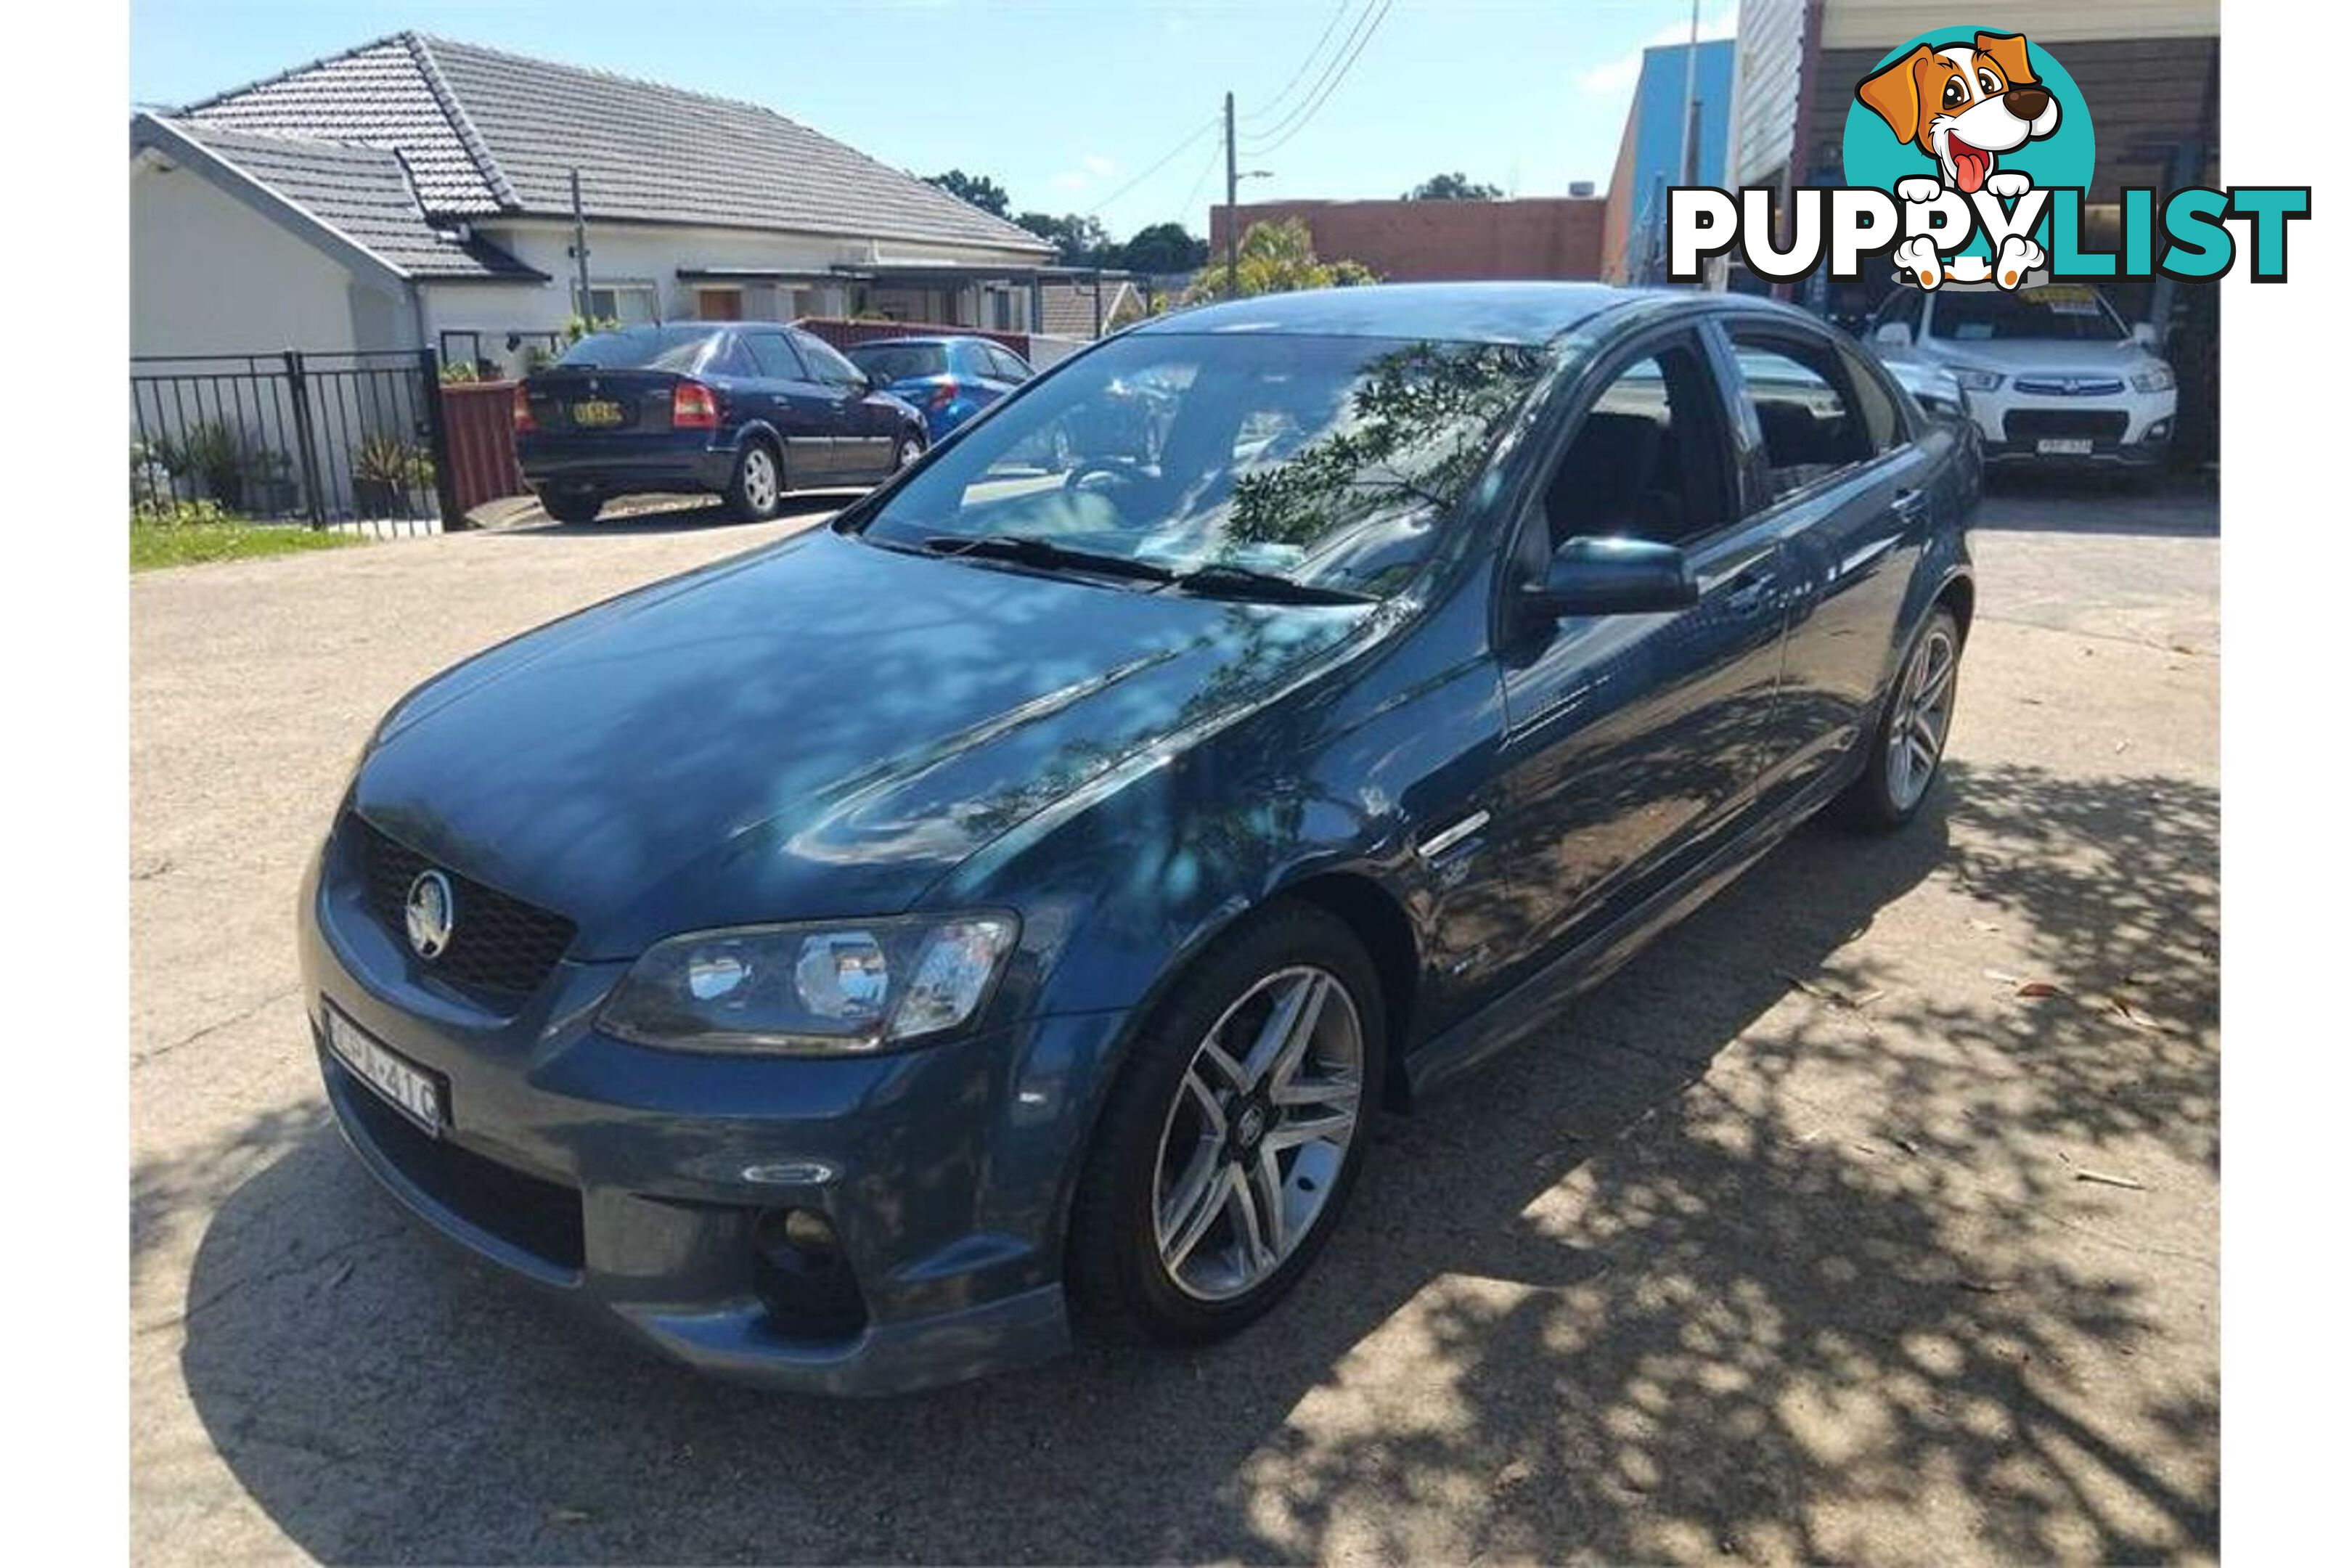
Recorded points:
(640,348)
(2062,311)
(900,361)
(1328,460)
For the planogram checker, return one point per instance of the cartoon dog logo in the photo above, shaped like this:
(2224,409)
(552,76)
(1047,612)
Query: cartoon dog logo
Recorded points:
(1964,105)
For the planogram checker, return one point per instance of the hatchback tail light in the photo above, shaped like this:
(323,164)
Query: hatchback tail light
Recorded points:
(693,407)
(944,394)
(523,423)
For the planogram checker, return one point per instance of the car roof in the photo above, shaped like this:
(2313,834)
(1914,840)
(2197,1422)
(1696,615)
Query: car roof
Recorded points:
(1532,312)
(923,342)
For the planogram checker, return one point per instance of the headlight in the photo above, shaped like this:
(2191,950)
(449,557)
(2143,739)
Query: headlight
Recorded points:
(2159,379)
(1977,380)
(839,988)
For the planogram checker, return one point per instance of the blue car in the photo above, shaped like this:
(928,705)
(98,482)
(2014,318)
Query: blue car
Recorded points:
(741,410)
(848,966)
(950,379)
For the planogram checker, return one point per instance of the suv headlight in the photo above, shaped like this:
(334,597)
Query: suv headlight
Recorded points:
(1972,380)
(830,988)
(2158,378)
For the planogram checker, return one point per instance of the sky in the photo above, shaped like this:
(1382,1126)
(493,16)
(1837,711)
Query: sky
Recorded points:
(1074,106)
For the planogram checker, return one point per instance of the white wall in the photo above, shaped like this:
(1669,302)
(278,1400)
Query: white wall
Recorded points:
(654,254)
(210,275)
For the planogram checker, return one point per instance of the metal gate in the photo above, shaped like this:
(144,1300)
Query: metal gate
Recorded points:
(351,441)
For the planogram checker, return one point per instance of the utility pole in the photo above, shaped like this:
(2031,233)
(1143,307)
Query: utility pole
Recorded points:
(1232,209)
(1683,174)
(580,251)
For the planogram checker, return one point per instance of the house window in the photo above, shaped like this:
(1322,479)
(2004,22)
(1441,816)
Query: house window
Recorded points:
(718,304)
(631,304)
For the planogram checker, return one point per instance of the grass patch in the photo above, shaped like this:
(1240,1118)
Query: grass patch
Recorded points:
(190,535)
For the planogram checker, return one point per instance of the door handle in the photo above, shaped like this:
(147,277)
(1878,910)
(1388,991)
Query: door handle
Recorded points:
(1750,593)
(1909,504)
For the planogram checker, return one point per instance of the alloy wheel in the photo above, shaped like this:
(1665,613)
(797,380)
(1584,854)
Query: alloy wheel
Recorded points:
(1923,716)
(1253,1143)
(909,450)
(760,479)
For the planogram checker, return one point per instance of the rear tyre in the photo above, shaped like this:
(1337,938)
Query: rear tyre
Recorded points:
(756,488)
(910,448)
(1906,753)
(1233,1134)
(572,506)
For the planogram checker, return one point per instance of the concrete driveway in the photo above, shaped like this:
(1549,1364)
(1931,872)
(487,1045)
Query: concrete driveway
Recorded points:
(1871,1214)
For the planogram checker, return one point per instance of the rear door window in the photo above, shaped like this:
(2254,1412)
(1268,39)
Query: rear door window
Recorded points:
(1815,424)
(775,356)
(824,363)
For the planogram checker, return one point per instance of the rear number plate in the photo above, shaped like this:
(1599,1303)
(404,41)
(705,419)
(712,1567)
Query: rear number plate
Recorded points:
(2063,447)
(409,1088)
(596,413)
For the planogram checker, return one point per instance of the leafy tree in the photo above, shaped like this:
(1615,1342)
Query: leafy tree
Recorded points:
(978,189)
(1077,240)
(1162,248)
(1417,436)
(1454,187)
(1275,259)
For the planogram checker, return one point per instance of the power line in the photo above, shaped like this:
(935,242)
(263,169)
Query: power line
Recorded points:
(1315,107)
(1198,181)
(1162,162)
(1267,109)
(1290,119)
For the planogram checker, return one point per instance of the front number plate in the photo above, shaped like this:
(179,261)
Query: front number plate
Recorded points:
(411,1090)
(596,413)
(2063,447)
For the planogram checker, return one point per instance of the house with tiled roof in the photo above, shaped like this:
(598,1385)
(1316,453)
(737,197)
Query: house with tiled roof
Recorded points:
(417,191)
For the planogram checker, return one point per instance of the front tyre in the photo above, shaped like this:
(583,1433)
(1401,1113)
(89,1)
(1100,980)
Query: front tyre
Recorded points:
(1906,753)
(757,487)
(1234,1132)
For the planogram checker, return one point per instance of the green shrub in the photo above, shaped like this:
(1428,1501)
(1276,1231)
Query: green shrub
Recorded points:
(165,512)
(387,461)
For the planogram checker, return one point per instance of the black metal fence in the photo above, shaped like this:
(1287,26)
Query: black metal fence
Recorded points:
(336,440)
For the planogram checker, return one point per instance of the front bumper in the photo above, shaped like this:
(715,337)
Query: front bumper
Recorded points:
(633,1181)
(2128,430)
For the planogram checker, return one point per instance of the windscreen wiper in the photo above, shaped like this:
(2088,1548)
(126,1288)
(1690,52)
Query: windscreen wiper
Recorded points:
(1224,581)
(1044,552)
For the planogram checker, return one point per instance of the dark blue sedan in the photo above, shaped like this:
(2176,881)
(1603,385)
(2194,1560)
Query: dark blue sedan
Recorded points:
(950,379)
(850,964)
(744,410)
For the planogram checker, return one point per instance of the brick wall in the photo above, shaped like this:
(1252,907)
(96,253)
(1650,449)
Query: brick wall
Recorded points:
(1405,242)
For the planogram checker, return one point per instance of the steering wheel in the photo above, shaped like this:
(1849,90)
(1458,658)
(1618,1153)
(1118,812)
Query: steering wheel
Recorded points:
(1091,474)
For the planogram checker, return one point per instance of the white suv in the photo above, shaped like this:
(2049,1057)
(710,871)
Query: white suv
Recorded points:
(2051,373)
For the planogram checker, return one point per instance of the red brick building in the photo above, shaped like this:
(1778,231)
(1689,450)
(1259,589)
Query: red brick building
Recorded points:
(1423,242)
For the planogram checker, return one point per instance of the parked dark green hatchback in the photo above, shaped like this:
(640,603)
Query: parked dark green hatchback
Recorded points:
(846,966)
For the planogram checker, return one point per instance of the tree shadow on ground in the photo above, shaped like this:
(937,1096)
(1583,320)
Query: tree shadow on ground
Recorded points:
(677,515)
(2099,501)
(1738,1259)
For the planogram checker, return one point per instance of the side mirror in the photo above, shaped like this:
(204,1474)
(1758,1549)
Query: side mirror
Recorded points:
(1613,577)
(1892,335)
(2143,334)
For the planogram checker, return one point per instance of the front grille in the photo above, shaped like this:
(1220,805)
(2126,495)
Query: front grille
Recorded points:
(2039,423)
(540,1218)
(2070,386)
(497,943)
